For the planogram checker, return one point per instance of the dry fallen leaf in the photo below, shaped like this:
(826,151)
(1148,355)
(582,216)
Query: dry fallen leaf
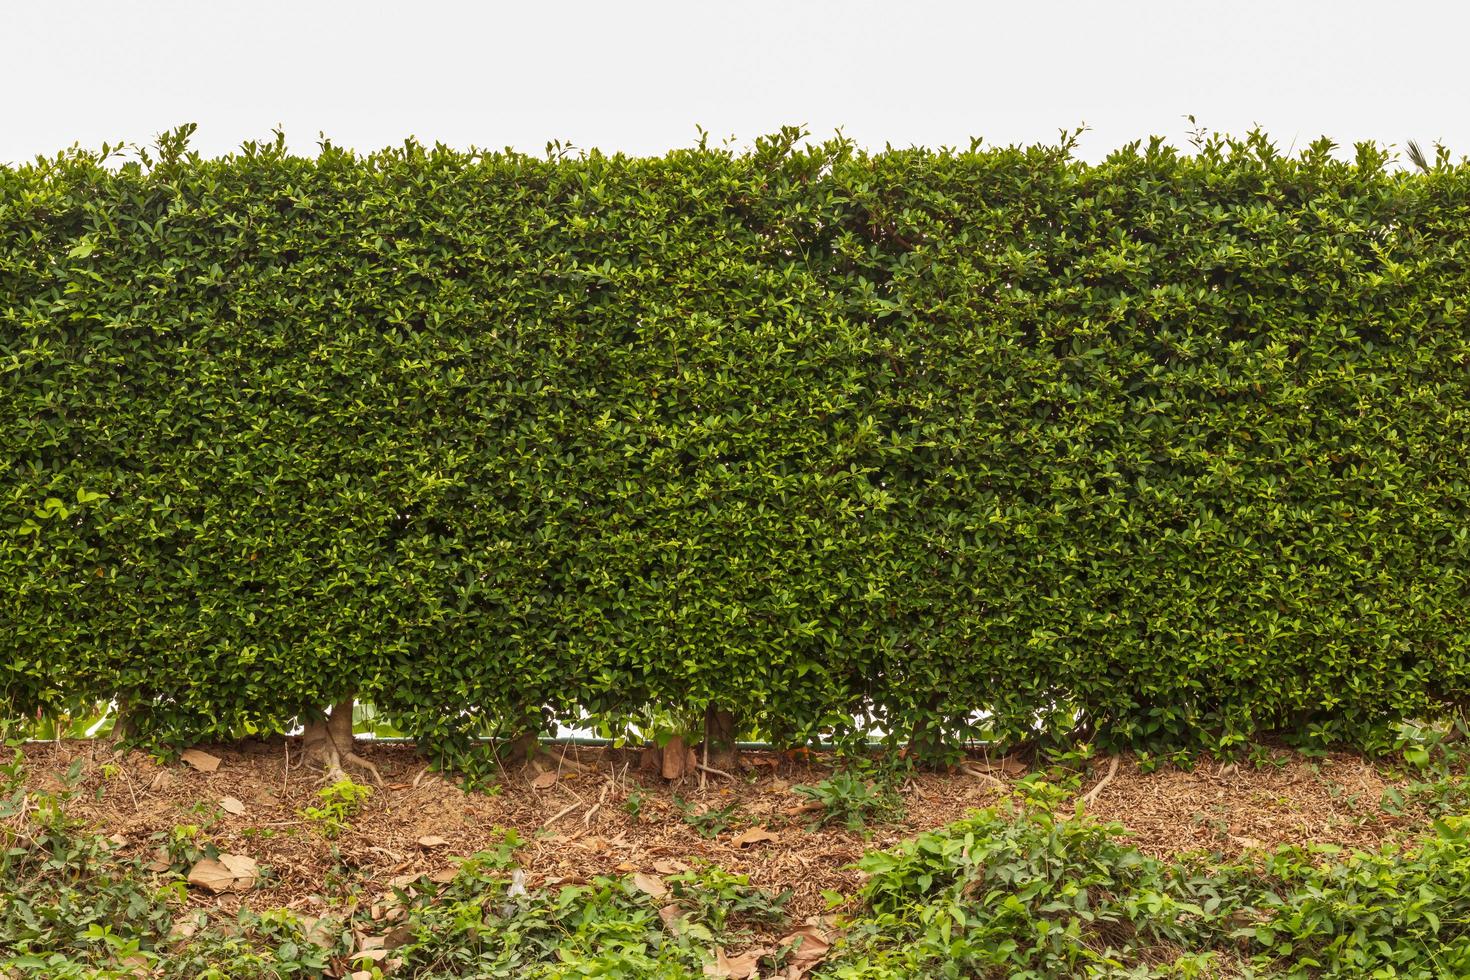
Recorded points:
(432,840)
(672,920)
(443,875)
(319,930)
(667,867)
(231,805)
(811,946)
(754,835)
(230,873)
(202,761)
(651,885)
(544,781)
(739,967)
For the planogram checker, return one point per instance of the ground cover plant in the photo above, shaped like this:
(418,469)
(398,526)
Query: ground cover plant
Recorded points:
(1160,452)
(1028,886)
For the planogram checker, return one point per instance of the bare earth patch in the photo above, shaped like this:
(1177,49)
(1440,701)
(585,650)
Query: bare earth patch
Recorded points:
(588,811)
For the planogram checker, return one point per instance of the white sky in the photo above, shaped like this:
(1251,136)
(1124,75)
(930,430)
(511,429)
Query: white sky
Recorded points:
(639,75)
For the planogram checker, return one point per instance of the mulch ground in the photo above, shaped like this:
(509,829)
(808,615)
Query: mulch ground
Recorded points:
(574,808)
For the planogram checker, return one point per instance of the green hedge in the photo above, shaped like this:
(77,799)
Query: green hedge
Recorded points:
(1166,450)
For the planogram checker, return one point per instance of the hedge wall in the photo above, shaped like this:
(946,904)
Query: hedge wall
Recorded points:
(1167,450)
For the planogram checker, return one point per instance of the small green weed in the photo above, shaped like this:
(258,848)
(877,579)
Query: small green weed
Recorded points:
(710,822)
(854,800)
(340,804)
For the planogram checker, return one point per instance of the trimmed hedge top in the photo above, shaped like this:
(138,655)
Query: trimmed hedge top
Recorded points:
(1167,450)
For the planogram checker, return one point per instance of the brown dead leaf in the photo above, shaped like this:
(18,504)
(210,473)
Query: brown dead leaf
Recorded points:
(397,937)
(443,875)
(319,931)
(754,835)
(667,867)
(544,781)
(432,840)
(230,873)
(672,920)
(202,761)
(651,885)
(231,805)
(811,946)
(796,811)
(738,967)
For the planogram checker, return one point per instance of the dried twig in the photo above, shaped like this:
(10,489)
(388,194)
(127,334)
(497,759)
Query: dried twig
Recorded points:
(561,813)
(587,817)
(123,768)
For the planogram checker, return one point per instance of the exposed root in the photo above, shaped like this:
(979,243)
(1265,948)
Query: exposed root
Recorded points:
(714,772)
(328,743)
(1092,794)
(518,751)
(352,758)
(984,777)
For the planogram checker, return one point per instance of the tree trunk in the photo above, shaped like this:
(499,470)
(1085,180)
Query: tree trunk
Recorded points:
(519,750)
(676,759)
(123,726)
(926,745)
(328,743)
(719,738)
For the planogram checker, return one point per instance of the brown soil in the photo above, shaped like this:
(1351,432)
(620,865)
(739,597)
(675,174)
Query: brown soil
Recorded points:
(579,824)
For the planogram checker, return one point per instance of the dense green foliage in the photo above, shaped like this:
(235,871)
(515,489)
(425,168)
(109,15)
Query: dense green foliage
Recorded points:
(1166,449)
